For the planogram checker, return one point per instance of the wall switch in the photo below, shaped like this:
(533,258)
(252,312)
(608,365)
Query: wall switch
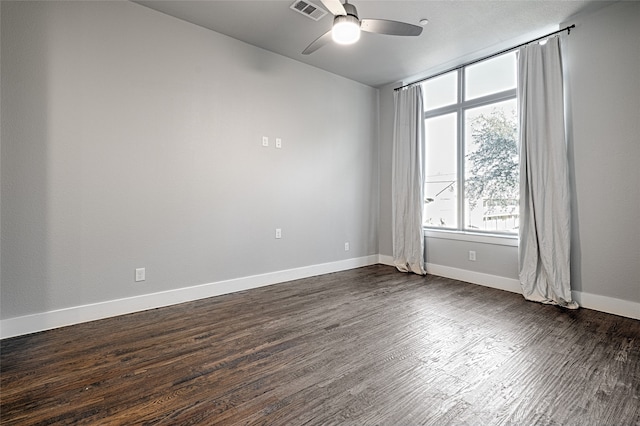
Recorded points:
(265,141)
(346,246)
(278,143)
(140,274)
(278,233)
(472,255)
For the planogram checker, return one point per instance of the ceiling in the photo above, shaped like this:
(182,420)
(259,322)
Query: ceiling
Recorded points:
(458,31)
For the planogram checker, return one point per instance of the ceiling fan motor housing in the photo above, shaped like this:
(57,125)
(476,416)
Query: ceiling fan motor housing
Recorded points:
(351,10)
(351,17)
(341,19)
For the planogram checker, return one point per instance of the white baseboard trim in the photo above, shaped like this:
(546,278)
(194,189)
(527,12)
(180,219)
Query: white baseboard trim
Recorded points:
(596,302)
(27,324)
(610,305)
(487,280)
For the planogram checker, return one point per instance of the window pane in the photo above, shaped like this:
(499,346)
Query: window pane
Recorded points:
(440,91)
(491,168)
(441,192)
(491,76)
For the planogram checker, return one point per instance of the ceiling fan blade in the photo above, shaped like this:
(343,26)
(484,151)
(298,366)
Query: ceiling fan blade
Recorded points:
(383,26)
(334,6)
(318,43)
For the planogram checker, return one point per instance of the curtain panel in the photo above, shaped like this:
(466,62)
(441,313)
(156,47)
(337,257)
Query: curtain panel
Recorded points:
(545,211)
(408,180)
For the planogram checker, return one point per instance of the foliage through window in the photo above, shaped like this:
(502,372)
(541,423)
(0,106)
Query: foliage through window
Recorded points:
(472,168)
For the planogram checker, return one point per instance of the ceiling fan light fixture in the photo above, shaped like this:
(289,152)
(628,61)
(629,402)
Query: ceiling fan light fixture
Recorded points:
(346,29)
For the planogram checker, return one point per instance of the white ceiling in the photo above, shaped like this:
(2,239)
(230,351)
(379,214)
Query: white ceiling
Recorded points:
(458,31)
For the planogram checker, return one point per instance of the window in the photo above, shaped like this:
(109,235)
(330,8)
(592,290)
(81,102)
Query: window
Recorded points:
(471,152)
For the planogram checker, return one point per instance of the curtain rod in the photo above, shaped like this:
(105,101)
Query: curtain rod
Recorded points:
(567,29)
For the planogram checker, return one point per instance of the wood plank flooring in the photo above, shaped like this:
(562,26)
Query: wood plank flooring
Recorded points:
(370,346)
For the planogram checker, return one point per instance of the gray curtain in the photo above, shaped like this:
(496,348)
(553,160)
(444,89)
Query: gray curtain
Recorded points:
(545,224)
(408,180)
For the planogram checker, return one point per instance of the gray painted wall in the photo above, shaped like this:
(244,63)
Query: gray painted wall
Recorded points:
(386,157)
(603,65)
(133,139)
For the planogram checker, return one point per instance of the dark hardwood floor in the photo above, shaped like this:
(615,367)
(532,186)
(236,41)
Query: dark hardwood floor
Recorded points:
(370,346)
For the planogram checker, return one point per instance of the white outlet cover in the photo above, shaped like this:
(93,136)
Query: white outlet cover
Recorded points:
(278,143)
(140,274)
(265,141)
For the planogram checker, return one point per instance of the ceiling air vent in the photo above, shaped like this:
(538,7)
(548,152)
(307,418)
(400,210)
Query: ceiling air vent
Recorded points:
(309,9)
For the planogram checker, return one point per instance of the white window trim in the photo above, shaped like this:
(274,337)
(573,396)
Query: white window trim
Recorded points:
(484,238)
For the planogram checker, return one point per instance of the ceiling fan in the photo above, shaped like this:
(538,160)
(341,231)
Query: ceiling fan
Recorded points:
(347,26)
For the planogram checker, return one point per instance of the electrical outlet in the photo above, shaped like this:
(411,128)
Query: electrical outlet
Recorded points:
(265,141)
(472,255)
(278,233)
(346,246)
(140,274)
(278,143)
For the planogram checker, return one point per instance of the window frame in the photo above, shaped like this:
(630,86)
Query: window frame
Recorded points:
(460,107)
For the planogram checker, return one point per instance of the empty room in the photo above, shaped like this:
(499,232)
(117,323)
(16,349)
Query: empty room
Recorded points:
(285,212)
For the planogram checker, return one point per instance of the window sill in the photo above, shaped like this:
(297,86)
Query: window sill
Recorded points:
(495,239)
